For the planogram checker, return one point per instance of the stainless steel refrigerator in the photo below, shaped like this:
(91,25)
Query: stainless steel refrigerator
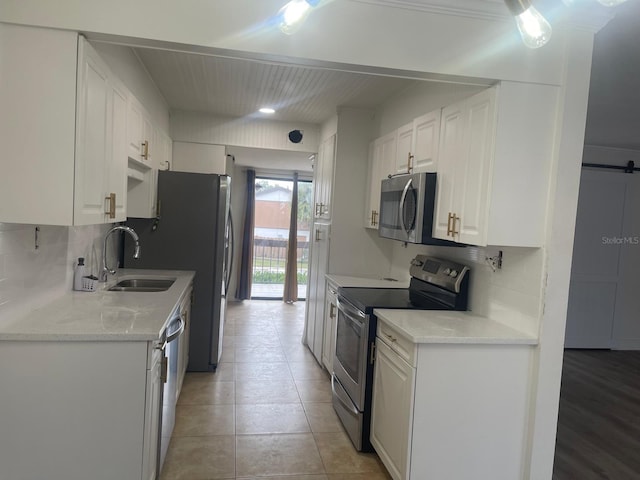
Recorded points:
(193,231)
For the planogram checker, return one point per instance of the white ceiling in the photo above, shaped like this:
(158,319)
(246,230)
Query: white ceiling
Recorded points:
(238,87)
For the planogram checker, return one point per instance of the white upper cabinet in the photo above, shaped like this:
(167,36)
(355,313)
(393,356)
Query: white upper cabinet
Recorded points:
(59,128)
(404,147)
(200,158)
(323,178)
(417,144)
(382,155)
(100,172)
(493,166)
(140,133)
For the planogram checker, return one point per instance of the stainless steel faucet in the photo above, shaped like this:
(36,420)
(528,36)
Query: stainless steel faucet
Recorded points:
(106,270)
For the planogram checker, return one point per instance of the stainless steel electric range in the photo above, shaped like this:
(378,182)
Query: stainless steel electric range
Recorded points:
(436,284)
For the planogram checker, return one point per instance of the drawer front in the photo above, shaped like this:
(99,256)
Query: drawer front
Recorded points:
(405,348)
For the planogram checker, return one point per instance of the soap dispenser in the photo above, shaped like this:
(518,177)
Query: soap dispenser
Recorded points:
(78,274)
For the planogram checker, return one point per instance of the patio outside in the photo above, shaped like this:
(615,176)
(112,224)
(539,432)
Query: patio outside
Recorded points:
(271,234)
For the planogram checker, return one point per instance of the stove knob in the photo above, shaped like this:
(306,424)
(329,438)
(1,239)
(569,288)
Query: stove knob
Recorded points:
(447,271)
(453,274)
(417,263)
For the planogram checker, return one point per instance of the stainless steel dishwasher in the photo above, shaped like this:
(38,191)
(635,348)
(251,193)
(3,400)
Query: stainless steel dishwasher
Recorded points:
(171,347)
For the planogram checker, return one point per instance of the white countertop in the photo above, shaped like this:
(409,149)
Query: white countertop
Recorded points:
(366,282)
(103,315)
(434,326)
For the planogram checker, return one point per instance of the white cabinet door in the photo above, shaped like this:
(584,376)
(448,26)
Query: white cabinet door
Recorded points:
(388,154)
(134,128)
(375,175)
(93,139)
(152,418)
(450,152)
(315,298)
(426,138)
(330,325)
(474,176)
(323,178)
(404,149)
(118,166)
(392,410)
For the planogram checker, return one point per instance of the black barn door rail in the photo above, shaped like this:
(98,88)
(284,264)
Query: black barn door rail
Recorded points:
(630,167)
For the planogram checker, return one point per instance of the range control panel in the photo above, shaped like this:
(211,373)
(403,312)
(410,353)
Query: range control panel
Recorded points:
(444,273)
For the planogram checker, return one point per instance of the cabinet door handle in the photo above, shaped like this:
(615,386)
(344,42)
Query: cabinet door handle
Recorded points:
(332,310)
(449,224)
(145,150)
(409,159)
(375,218)
(111,211)
(453,225)
(317,235)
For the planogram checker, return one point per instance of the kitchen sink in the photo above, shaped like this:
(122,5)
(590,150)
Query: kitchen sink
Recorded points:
(143,285)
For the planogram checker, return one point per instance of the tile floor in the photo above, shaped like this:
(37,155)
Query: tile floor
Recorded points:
(266,411)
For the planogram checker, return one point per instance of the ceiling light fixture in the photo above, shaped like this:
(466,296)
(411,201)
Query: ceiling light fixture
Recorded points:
(267,110)
(534,28)
(294,13)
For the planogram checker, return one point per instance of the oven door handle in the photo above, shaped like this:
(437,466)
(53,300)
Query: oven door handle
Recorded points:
(343,398)
(403,200)
(350,311)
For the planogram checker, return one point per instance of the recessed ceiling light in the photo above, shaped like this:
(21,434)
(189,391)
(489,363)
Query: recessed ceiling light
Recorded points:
(267,110)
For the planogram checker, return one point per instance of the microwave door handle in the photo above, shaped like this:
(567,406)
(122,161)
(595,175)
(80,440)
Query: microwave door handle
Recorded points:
(403,199)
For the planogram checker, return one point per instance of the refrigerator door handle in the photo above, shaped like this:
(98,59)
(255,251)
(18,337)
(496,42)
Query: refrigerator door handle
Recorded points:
(230,253)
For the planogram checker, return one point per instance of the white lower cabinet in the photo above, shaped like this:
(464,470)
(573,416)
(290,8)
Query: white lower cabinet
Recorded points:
(74,410)
(393,387)
(152,417)
(449,411)
(330,325)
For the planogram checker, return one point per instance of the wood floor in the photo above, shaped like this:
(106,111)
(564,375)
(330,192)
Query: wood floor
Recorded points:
(599,420)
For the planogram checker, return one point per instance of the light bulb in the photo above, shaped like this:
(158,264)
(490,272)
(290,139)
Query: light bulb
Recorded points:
(611,3)
(292,15)
(534,28)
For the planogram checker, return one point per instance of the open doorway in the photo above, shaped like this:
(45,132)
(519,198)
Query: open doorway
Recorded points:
(271,233)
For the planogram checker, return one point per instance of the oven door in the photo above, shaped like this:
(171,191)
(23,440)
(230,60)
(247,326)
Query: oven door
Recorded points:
(352,341)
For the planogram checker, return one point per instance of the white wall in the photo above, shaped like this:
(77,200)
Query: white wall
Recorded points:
(124,63)
(30,277)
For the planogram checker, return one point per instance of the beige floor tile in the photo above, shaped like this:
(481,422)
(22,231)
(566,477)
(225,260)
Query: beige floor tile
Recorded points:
(322,417)
(314,390)
(359,476)
(257,341)
(225,372)
(228,354)
(263,371)
(271,418)
(339,455)
(289,454)
(307,371)
(297,352)
(204,420)
(254,392)
(248,328)
(191,458)
(260,354)
(287,477)
(207,393)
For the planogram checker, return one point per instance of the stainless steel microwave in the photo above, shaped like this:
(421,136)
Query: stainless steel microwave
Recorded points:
(406,209)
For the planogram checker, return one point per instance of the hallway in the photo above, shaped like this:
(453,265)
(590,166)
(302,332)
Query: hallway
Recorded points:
(266,411)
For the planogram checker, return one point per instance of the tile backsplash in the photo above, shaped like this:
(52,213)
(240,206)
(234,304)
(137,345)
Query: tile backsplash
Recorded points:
(31,277)
(511,295)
